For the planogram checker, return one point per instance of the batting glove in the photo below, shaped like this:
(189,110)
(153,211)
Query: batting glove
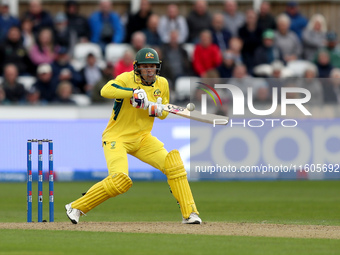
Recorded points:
(156,109)
(139,99)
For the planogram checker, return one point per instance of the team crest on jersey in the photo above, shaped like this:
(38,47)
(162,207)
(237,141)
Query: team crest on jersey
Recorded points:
(157,93)
(113,145)
(149,55)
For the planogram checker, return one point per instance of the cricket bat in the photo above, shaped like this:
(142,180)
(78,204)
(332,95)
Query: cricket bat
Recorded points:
(196,115)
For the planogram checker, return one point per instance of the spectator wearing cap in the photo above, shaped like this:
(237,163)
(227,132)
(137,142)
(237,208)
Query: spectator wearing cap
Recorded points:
(173,21)
(232,17)
(297,21)
(206,55)
(221,36)
(43,51)
(6,19)
(267,52)
(199,19)
(139,20)
(332,48)
(314,36)
(105,25)
(266,19)
(14,91)
(64,36)
(90,73)
(77,22)
(63,70)
(251,37)
(39,16)
(286,40)
(45,84)
(13,51)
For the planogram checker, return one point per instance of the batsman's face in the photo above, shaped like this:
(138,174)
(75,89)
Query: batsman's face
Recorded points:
(148,72)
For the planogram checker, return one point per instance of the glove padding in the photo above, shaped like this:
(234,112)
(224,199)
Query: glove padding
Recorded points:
(156,109)
(139,99)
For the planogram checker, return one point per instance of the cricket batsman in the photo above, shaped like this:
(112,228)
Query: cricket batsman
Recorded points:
(139,97)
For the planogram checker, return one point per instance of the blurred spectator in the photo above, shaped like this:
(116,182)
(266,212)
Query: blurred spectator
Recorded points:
(13,51)
(165,70)
(33,96)
(206,54)
(107,76)
(311,83)
(266,19)
(27,34)
(64,36)
(3,99)
(90,73)
(243,80)
(125,64)
(43,50)
(232,17)
(235,46)
(324,64)
(138,21)
(40,18)
(176,57)
(314,36)
(276,79)
(221,36)
(225,70)
(151,32)
(64,93)
(138,41)
(251,37)
(77,22)
(268,52)
(286,40)
(6,19)
(14,91)
(105,25)
(199,19)
(63,70)
(297,21)
(45,84)
(333,49)
(331,87)
(173,21)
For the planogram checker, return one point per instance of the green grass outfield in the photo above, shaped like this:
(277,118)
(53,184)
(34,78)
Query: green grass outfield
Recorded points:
(286,202)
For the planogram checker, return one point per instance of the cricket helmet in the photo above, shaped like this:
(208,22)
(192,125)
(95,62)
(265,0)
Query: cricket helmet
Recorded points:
(146,56)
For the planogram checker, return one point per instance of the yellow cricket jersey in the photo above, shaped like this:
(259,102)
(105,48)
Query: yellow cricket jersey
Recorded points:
(126,121)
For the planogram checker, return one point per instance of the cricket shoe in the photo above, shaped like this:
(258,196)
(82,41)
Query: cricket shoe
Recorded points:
(72,213)
(193,219)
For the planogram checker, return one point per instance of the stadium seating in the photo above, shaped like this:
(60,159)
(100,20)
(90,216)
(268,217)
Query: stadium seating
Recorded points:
(81,50)
(185,87)
(27,81)
(114,51)
(189,47)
